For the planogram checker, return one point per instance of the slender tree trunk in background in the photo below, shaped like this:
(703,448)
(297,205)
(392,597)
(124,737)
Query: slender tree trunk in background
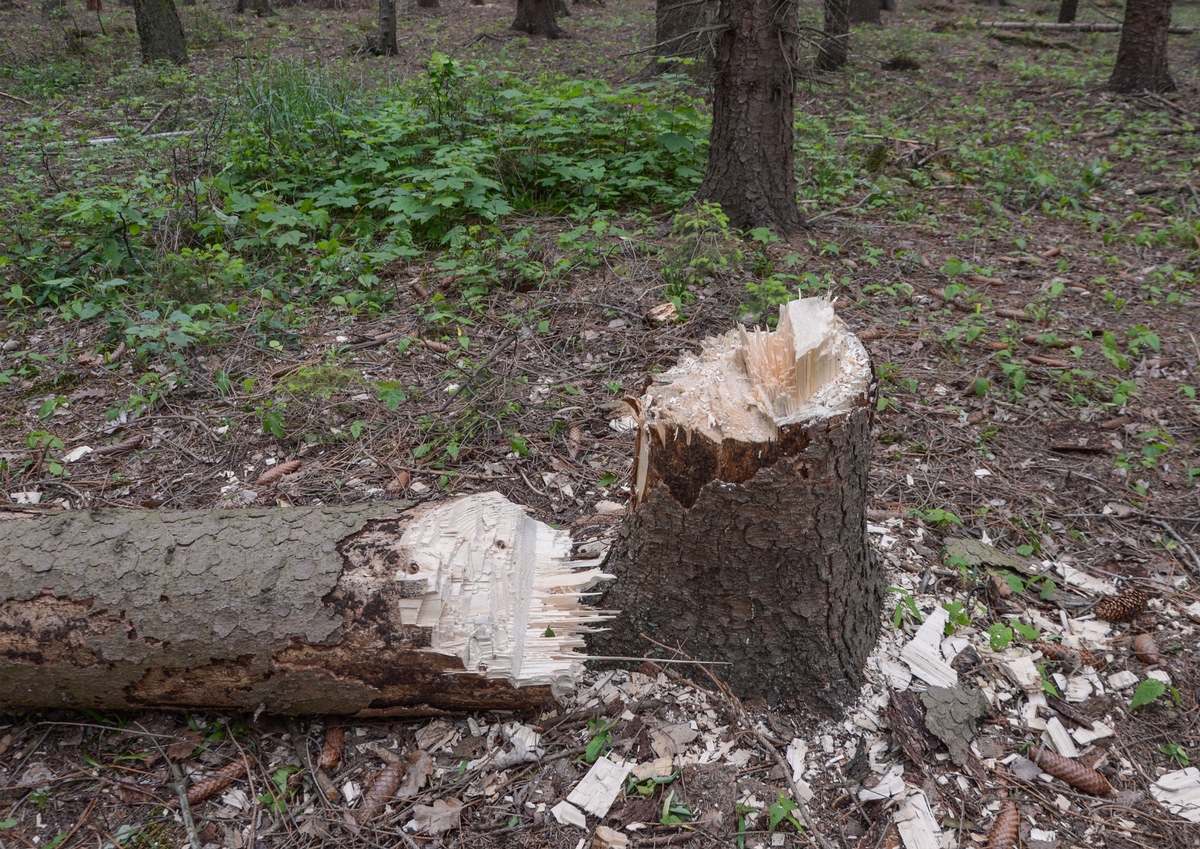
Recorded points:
(1067,11)
(834,48)
(1142,55)
(428,4)
(678,33)
(865,11)
(747,541)
(387,28)
(159,32)
(536,17)
(262,8)
(751,156)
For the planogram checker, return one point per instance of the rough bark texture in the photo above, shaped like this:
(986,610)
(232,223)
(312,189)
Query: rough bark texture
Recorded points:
(682,31)
(751,157)
(1142,54)
(304,610)
(865,11)
(262,8)
(536,17)
(159,32)
(753,554)
(387,28)
(834,48)
(1067,11)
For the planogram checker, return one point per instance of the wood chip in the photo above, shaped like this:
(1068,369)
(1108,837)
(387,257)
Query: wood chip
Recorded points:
(923,654)
(599,788)
(1179,793)
(916,823)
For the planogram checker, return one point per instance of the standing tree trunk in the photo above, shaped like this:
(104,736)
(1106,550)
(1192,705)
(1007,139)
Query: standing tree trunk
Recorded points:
(682,30)
(536,17)
(834,47)
(159,32)
(1067,11)
(751,156)
(865,11)
(747,545)
(262,8)
(386,45)
(1142,54)
(427,4)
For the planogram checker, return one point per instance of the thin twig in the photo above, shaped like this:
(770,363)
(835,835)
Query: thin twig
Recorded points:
(154,120)
(8,96)
(1179,539)
(185,809)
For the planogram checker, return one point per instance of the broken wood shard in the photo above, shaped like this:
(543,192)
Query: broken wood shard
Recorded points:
(371,610)
(747,544)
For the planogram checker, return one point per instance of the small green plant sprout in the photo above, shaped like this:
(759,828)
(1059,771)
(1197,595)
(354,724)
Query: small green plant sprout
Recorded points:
(646,787)
(782,810)
(674,812)
(599,739)
(1001,634)
(937,516)
(906,604)
(276,798)
(1150,691)
(743,811)
(1175,753)
(959,616)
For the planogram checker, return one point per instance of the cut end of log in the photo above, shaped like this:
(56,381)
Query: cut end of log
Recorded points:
(749,385)
(500,592)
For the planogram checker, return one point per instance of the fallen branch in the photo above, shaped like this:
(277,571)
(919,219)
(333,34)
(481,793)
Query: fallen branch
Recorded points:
(1052,27)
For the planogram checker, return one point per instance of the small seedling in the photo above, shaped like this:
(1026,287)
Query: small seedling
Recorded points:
(781,811)
(1176,753)
(906,604)
(938,517)
(1149,691)
(599,741)
(673,812)
(959,616)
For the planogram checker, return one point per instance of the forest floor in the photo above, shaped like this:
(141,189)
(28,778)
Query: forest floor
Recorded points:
(1017,247)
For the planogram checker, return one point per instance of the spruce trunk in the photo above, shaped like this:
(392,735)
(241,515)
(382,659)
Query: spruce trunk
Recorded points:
(747,545)
(160,32)
(372,610)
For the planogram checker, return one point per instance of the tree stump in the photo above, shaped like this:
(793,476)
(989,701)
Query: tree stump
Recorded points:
(747,543)
(375,610)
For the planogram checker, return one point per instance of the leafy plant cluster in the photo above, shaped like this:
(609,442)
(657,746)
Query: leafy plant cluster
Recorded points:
(318,187)
(467,146)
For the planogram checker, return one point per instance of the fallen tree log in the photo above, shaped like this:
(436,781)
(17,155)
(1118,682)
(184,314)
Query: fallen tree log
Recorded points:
(374,610)
(747,543)
(1073,27)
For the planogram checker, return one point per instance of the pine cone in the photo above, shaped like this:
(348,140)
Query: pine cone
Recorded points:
(1122,607)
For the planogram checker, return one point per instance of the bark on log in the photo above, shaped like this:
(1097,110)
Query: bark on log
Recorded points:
(747,544)
(1077,27)
(373,610)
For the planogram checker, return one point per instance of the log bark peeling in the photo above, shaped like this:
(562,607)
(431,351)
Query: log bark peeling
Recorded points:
(368,611)
(747,545)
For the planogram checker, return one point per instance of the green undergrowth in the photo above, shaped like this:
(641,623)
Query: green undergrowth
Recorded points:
(318,185)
